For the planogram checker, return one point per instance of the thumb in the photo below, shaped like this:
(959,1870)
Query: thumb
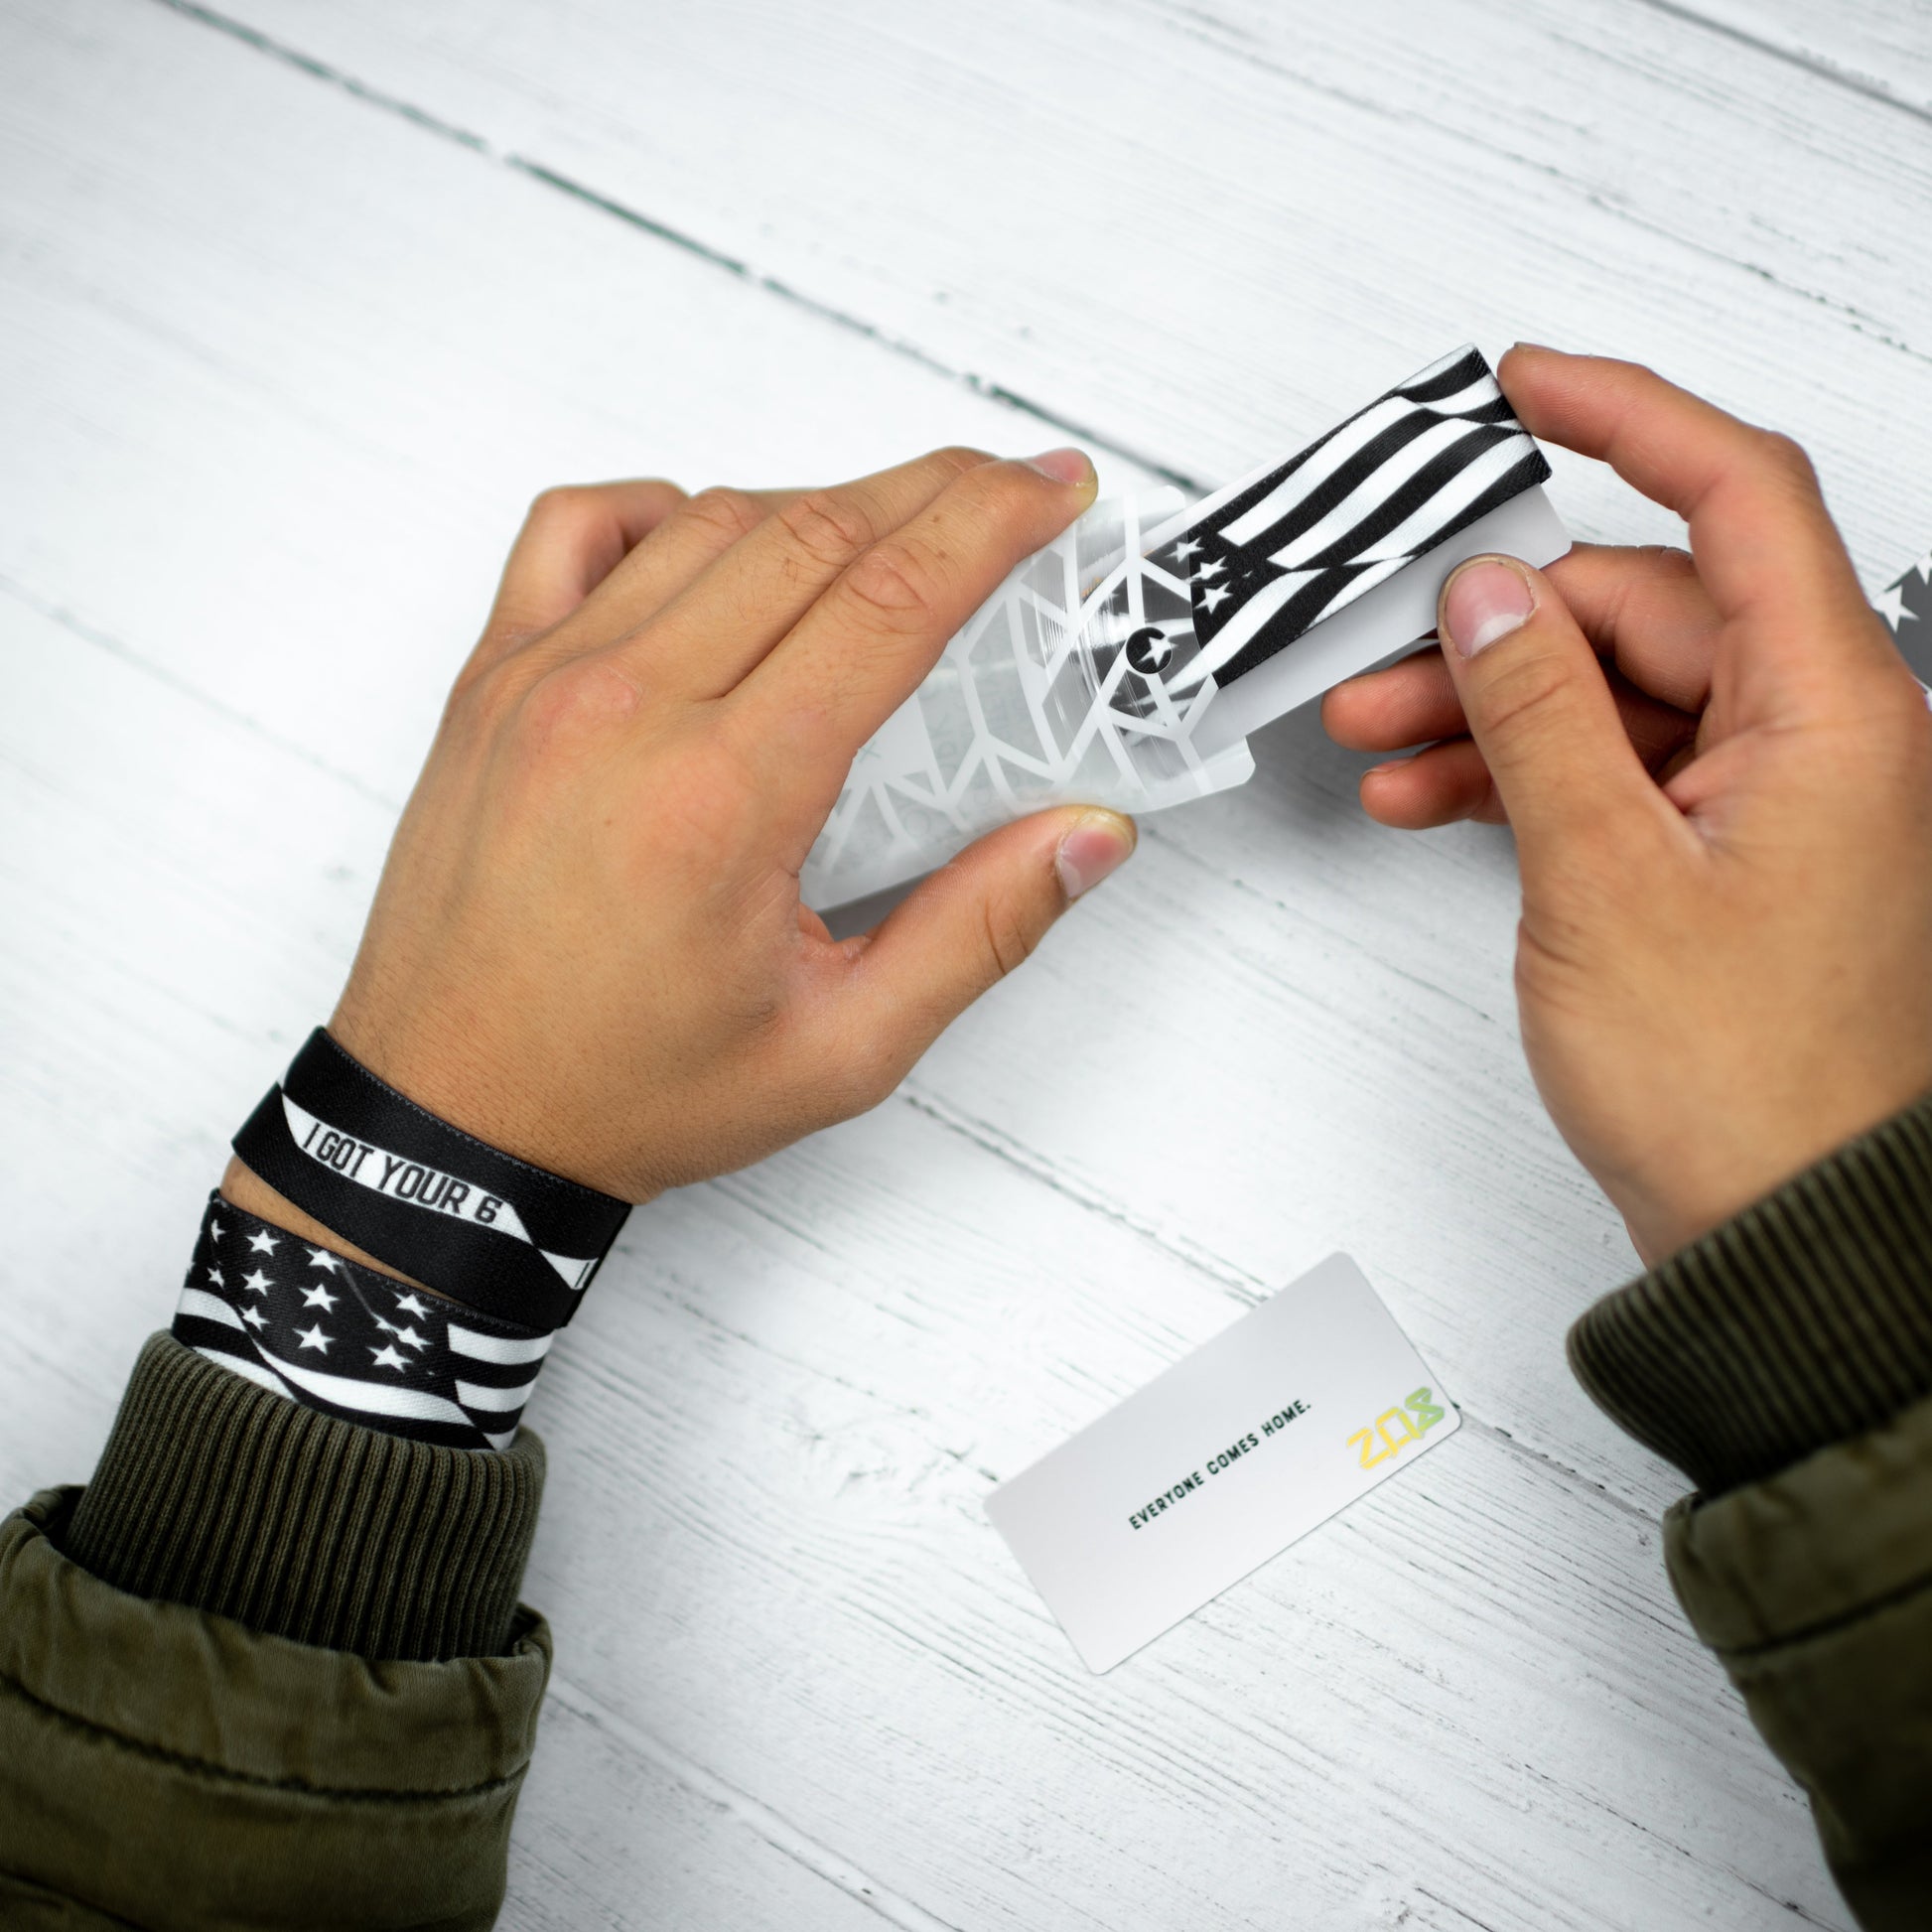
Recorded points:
(974,920)
(1540,710)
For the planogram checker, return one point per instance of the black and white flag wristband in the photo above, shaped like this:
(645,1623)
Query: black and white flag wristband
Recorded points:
(316,1328)
(503,1237)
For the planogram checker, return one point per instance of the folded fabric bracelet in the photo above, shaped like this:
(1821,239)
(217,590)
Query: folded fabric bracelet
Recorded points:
(313,1326)
(500,1236)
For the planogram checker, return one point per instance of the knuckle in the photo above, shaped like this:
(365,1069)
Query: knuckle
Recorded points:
(900,584)
(483,700)
(1669,559)
(1786,456)
(723,512)
(486,692)
(1008,935)
(1524,696)
(830,526)
(956,459)
(871,1066)
(575,700)
(560,503)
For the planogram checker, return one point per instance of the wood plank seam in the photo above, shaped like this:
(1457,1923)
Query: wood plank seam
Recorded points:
(776,1831)
(1195,27)
(1246,1289)
(1796,57)
(690,244)
(116,648)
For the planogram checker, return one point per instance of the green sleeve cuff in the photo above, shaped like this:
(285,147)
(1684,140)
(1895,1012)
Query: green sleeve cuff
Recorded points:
(1804,1322)
(218,1494)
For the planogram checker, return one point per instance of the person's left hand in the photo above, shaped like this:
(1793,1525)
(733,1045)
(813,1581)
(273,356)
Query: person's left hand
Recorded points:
(587,947)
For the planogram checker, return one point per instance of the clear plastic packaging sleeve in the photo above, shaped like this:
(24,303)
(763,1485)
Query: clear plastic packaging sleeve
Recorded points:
(1055,692)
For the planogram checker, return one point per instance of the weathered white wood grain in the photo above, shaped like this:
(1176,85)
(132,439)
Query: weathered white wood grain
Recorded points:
(1881,45)
(1205,230)
(694,1851)
(1604,165)
(281,375)
(345,354)
(284,368)
(792,1643)
(391,521)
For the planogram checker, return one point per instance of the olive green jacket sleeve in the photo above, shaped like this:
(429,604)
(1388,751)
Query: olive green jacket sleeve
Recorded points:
(267,1671)
(1785,1363)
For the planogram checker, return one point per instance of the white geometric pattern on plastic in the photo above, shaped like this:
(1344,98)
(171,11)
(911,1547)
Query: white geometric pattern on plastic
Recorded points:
(1055,692)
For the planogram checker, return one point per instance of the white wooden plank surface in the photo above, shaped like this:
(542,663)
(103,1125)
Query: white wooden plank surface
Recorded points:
(1881,45)
(284,365)
(1205,230)
(771,1581)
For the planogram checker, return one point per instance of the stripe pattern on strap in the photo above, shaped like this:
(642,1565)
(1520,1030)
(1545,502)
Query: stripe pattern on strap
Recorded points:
(1268,558)
(313,1326)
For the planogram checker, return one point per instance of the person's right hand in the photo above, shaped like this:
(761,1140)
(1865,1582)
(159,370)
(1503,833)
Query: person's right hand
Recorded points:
(1723,970)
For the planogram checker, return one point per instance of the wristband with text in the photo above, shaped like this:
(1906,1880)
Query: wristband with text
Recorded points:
(478,1226)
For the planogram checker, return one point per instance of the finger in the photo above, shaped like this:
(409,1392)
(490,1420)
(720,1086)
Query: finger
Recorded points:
(965,928)
(1440,785)
(695,533)
(572,538)
(1643,608)
(1410,703)
(726,621)
(854,657)
(1646,610)
(1416,703)
(1762,538)
(1449,780)
(1541,713)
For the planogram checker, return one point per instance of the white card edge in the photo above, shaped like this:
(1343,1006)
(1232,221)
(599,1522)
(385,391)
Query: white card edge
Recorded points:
(993,1496)
(1432,1439)
(1392,617)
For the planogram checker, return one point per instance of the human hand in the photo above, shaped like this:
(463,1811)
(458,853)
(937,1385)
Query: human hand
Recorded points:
(588,946)
(1724,963)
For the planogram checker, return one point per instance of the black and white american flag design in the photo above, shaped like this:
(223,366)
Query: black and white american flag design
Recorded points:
(332,1335)
(1269,556)
(1905,603)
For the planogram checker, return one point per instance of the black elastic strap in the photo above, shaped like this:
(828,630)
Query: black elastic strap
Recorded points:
(476,1224)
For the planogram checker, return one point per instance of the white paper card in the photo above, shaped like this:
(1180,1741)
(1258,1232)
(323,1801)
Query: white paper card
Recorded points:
(1221,1462)
(1394,617)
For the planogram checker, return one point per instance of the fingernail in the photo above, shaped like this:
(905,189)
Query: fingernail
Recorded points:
(1063,466)
(1392,764)
(1544,347)
(1484,599)
(1099,844)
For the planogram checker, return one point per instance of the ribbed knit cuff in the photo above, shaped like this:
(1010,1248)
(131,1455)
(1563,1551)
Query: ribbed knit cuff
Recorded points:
(222,1495)
(1804,1322)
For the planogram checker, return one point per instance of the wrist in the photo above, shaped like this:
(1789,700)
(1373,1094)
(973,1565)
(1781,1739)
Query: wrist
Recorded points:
(301,1319)
(514,1092)
(242,1187)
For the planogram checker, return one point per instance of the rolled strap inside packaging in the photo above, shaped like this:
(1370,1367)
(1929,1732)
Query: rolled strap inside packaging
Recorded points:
(474,1223)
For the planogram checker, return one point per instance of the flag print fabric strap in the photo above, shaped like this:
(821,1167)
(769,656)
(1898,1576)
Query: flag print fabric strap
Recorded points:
(314,1326)
(478,1226)
(1269,556)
